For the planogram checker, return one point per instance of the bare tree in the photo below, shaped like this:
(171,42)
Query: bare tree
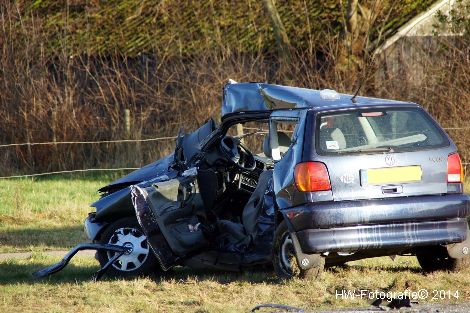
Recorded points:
(351,18)
(357,23)
(357,29)
(280,34)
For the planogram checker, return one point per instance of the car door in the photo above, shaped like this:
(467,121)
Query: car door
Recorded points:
(291,123)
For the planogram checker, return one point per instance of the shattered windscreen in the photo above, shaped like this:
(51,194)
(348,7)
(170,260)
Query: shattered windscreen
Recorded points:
(386,130)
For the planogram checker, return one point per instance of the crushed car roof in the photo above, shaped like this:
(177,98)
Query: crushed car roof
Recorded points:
(260,97)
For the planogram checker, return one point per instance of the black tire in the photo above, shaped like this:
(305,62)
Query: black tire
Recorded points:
(436,258)
(140,262)
(284,260)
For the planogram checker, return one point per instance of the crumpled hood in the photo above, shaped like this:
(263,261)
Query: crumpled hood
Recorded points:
(149,171)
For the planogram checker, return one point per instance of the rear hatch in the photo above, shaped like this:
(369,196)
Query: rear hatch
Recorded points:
(382,153)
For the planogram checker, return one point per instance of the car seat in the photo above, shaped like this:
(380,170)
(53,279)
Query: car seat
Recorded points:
(333,135)
(243,232)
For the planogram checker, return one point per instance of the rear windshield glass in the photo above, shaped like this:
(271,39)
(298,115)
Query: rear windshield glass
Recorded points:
(377,131)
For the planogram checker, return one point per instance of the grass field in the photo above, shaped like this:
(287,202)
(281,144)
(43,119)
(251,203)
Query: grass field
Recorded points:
(45,214)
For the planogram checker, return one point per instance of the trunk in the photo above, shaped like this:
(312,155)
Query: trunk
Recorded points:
(351,17)
(351,180)
(280,34)
(357,22)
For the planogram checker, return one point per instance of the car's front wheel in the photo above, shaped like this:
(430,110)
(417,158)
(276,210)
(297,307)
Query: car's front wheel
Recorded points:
(284,259)
(436,258)
(140,259)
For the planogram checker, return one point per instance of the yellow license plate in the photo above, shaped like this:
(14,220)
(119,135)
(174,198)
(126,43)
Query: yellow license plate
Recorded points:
(392,175)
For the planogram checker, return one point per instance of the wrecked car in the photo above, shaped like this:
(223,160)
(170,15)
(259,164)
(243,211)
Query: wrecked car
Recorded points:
(294,178)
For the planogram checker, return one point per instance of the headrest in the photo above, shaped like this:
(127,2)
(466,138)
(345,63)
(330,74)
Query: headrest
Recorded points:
(332,134)
(283,140)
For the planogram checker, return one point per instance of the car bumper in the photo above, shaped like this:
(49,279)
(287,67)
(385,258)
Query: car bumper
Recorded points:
(380,224)
(406,235)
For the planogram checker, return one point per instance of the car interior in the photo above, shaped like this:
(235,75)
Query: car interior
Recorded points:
(233,178)
(232,189)
(348,132)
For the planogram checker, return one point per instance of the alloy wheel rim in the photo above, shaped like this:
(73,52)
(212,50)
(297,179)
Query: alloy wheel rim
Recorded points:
(138,249)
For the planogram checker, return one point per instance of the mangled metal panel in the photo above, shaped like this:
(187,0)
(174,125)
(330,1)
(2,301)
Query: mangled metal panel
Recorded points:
(240,97)
(149,224)
(259,97)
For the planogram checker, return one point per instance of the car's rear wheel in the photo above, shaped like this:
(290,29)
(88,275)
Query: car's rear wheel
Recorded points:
(436,258)
(284,259)
(139,261)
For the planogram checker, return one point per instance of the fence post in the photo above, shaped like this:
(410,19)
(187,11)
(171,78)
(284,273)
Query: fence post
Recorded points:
(28,140)
(127,122)
(240,132)
(55,152)
(129,155)
(54,123)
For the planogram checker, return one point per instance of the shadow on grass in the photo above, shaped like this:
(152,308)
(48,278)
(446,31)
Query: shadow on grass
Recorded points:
(266,275)
(80,270)
(56,237)
(263,275)
(12,272)
(18,272)
(382,268)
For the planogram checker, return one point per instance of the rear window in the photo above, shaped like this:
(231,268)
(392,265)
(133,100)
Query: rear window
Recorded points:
(386,130)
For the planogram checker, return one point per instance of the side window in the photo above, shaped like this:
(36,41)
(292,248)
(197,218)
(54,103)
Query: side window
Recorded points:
(281,136)
(253,134)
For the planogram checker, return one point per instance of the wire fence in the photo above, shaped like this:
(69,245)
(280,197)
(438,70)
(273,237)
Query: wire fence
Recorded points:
(71,171)
(137,140)
(65,143)
(84,142)
(465,164)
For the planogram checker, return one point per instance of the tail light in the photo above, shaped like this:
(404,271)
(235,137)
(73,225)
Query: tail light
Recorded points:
(311,176)
(454,169)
